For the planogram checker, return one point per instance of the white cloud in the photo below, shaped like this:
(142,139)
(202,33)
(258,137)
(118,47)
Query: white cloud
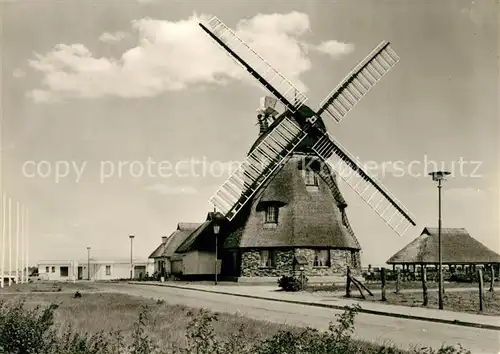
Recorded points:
(334,48)
(18,73)
(169,190)
(172,56)
(113,37)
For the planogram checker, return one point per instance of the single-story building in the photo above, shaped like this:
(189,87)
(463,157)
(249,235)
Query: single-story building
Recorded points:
(69,270)
(165,257)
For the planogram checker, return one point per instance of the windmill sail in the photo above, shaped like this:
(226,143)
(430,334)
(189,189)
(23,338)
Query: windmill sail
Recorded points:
(257,167)
(269,77)
(358,82)
(366,186)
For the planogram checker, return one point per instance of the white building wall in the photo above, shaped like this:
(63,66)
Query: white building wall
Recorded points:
(196,262)
(116,270)
(51,270)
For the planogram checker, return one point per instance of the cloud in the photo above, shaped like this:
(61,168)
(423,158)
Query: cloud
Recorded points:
(172,56)
(169,190)
(334,48)
(18,73)
(107,37)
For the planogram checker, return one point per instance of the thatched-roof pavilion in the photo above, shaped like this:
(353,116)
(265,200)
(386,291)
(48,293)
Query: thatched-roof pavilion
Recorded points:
(458,248)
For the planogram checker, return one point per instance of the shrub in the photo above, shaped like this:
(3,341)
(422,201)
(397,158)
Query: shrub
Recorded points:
(291,283)
(24,331)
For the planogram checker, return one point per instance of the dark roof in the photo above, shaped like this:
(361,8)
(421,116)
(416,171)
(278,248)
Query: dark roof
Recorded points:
(458,247)
(189,241)
(178,237)
(306,219)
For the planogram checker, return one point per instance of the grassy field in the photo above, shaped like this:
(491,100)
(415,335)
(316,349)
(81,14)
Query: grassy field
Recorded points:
(49,286)
(169,326)
(460,301)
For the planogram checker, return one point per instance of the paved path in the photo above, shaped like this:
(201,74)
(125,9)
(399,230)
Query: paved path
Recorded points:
(402,332)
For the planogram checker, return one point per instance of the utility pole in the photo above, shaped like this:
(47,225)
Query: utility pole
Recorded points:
(131,256)
(439,176)
(88,263)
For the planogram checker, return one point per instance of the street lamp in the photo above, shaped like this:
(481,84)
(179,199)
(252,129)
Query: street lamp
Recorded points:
(131,254)
(439,176)
(217,218)
(88,263)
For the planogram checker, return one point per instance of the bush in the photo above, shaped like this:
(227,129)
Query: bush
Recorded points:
(291,283)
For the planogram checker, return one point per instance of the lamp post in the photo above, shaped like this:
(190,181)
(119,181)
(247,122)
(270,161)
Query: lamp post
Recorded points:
(216,233)
(88,263)
(216,220)
(131,255)
(439,176)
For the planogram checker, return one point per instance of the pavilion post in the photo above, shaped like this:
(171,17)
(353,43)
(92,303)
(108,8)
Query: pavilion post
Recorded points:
(480,273)
(382,275)
(492,281)
(424,285)
(398,280)
(348,283)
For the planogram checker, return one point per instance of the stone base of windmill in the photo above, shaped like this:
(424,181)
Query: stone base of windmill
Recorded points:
(295,261)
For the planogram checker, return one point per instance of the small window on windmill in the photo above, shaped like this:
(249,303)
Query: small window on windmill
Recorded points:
(310,177)
(322,258)
(271,216)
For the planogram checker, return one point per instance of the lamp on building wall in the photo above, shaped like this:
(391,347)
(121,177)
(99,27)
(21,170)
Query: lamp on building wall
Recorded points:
(439,176)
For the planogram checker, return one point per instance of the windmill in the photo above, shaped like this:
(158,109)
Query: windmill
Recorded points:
(284,135)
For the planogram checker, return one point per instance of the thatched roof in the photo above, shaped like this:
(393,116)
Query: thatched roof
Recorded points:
(178,237)
(458,247)
(158,252)
(307,218)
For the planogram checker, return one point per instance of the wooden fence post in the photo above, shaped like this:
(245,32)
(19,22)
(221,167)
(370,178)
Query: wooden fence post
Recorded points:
(382,275)
(480,271)
(424,284)
(398,279)
(492,281)
(348,283)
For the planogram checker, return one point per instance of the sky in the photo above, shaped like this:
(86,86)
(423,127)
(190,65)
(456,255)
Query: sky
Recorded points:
(123,118)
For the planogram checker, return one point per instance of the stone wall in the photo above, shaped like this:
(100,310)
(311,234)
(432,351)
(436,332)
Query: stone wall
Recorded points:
(250,263)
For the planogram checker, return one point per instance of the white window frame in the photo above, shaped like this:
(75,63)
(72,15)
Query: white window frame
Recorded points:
(108,267)
(310,177)
(271,214)
(322,258)
(267,258)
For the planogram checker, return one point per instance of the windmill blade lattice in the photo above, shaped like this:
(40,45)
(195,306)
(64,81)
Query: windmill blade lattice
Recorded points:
(269,77)
(366,186)
(257,167)
(358,82)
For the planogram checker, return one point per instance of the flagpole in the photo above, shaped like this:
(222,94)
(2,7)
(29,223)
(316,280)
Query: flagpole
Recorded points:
(17,241)
(22,244)
(4,213)
(27,245)
(10,241)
